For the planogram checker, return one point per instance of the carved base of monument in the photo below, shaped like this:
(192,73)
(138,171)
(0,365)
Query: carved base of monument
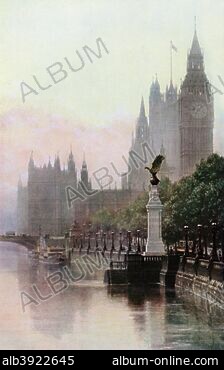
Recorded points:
(154,245)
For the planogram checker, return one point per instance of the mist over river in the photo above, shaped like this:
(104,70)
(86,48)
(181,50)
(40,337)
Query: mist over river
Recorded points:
(91,315)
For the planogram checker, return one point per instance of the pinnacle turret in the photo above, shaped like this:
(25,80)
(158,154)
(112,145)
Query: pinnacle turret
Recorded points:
(157,85)
(31,161)
(155,95)
(195,57)
(84,173)
(141,132)
(71,162)
(71,157)
(142,109)
(195,47)
(84,165)
(49,166)
(171,92)
(57,164)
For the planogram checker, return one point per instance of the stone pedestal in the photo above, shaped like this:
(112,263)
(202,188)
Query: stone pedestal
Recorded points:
(154,208)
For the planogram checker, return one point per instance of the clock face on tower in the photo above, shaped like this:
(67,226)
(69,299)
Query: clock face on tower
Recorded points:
(198,110)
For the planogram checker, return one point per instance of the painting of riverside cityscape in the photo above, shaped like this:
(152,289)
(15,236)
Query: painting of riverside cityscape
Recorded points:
(112,163)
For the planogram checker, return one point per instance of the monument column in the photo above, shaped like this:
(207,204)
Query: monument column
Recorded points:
(154,208)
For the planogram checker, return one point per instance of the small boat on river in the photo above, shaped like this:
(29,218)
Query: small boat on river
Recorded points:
(50,250)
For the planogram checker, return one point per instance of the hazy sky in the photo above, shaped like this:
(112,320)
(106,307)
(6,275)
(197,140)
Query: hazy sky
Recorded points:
(94,109)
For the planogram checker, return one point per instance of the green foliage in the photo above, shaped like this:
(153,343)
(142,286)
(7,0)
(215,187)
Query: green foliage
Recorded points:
(196,199)
(133,217)
(165,189)
(104,219)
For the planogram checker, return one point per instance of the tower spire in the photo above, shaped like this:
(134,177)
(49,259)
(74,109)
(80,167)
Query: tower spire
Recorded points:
(31,161)
(156,84)
(57,165)
(195,47)
(84,173)
(195,57)
(71,162)
(142,108)
(142,123)
(197,132)
(49,163)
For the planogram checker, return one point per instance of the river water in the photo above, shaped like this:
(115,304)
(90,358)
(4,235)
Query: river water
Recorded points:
(90,315)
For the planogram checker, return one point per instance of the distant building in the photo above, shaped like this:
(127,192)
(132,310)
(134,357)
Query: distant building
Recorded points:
(42,206)
(138,177)
(163,122)
(180,125)
(46,205)
(196,112)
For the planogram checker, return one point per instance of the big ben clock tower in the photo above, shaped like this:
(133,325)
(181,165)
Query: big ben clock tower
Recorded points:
(196,113)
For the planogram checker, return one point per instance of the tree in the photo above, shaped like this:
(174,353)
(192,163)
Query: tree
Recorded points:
(165,189)
(197,199)
(133,217)
(104,219)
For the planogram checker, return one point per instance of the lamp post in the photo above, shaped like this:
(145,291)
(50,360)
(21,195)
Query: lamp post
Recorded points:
(129,241)
(214,255)
(88,242)
(186,231)
(112,241)
(200,248)
(120,241)
(205,237)
(104,242)
(138,242)
(81,241)
(96,241)
(84,230)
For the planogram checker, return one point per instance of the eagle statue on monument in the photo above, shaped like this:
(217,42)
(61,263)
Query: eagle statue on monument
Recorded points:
(155,168)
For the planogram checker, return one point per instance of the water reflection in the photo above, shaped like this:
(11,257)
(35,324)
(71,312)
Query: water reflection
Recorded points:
(90,315)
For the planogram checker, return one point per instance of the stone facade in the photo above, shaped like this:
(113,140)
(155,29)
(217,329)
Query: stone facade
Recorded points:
(42,205)
(46,197)
(179,124)
(163,122)
(203,279)
(196,113)
(137,176)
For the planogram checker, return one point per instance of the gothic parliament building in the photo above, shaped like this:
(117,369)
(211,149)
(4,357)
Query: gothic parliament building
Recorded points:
(179,126)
